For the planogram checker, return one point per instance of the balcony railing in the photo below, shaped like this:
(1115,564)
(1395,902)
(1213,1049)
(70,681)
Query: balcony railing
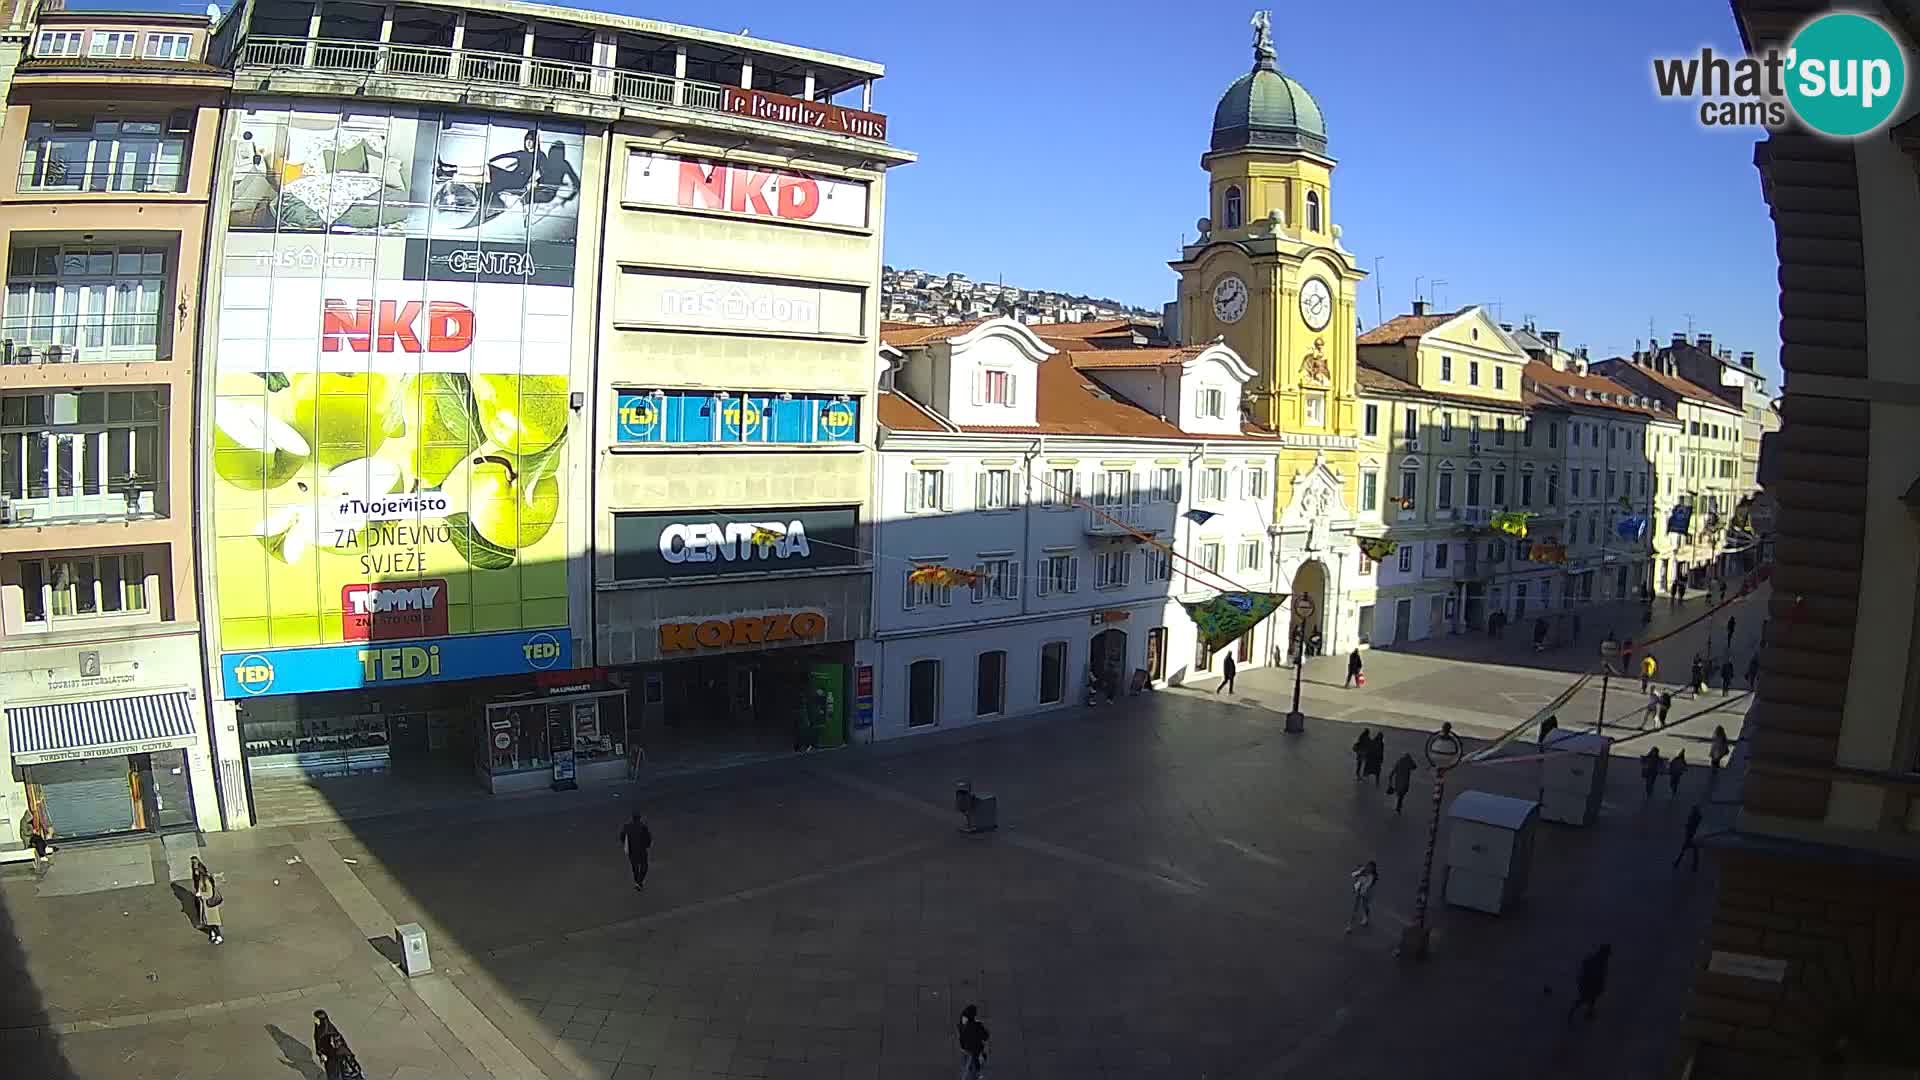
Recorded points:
(52,176)
(1117,520)
(79,339)
(485,68)
(119,502)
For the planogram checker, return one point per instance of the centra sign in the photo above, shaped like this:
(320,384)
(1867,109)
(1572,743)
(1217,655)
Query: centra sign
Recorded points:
(713,541)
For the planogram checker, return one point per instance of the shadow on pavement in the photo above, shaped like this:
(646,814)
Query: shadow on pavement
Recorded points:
(26,1047)
(295,1054)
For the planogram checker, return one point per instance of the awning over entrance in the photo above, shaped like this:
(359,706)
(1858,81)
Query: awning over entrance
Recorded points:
(69,730)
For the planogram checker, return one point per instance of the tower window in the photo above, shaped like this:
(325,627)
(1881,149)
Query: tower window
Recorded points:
(1313,211)
(1230,211)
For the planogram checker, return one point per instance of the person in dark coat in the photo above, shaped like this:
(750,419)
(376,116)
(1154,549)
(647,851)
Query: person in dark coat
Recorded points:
(1539,634)
(336,1057)
(1547,728)
(637,839)
(1753,670)
(1698,676)
(1687,842)
(973,1037)
(1226,682)
(1400,779)
(1362,745)
(1730,623)
(1591,982)
(1726,676)
(1376,756)
(1676,769)
(1353,666)
(1666,706)
(1650,768)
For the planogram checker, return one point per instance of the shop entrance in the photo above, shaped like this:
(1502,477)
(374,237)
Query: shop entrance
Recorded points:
(717,709)
(108,796)
(1107,658)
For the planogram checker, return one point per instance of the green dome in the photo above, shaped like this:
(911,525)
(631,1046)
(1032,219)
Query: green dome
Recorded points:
(1264,109)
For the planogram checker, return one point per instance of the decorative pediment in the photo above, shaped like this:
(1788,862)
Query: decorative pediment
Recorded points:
(1218,352)
(1013,331)
(1316,498)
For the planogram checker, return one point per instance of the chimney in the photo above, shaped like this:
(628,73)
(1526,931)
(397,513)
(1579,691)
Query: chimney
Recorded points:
(1419,307)
(1507,326)
(1746,359)
(1705,343)
(1551,337)
(1679,340)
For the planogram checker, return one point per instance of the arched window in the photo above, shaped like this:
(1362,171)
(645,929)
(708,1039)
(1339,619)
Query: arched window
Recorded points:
(1313,211)
(1230,210)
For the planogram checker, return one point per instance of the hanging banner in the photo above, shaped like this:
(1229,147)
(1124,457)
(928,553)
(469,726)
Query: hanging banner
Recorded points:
(1680,520)
(1631,527)
(1511,522)
(1229,615)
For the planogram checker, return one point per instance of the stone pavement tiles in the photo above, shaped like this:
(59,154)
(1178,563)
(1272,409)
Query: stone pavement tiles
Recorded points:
(1165,898)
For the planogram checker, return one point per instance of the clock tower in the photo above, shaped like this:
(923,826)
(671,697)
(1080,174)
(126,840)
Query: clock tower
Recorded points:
(1268,272)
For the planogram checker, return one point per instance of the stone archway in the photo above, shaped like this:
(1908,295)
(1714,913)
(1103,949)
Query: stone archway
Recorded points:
(1309,580)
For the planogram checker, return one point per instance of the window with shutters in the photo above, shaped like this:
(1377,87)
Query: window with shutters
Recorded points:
(1440,556)
(1473,431)
(1446,427)
(1500,489)
(1371,416)
(1057,573)
(1060,487)
(1256,483)
(1446,369)
(993,489)
(1111,487)
(1407,556)
(1166,485)
(926,491)
(922,594)
(1574,476)
(1210,556)
(1409,488)
(1499,377)
(1473,487)
(1526,489)
(82,587)
(1593,483)
(996,387)
(1610,483)
(1410,428)
(1443,489)
(1369,490)
(1473,373)
(1499,427)
(1212,404)
(999,578)
(1213,485)
(1111,569)
(1159,565)
(117,44)
(1553,436)
(1250,555)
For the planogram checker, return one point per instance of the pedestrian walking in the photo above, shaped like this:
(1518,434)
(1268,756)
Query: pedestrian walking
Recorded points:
(1376,756)
(1651,717)
(973,1044)
(1753,670)
(1698,675)
(206,895)
(1666,706)
(1547,728)
(1717,749)
(1226,681)
(1687,843)
(1730,621)
(1576,626)
(36,834)
(1364,879)
(1726,676)
(1362,746)
(1354,674)
(1650,768)
(1676,769)
(1400,780)
(1539,634)
(1591,982)
(637,839)
(1649,667)
(336,1058)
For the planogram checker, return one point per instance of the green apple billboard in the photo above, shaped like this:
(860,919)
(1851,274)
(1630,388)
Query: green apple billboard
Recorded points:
(389,428)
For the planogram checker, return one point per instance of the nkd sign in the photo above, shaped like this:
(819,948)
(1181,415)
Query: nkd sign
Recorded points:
(666,180)
(410,326)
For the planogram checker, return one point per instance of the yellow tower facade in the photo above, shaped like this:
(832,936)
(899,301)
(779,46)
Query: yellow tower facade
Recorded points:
(1268,275)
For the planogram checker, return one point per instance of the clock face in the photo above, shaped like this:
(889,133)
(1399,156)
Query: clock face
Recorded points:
(1316,303)
(1230,299)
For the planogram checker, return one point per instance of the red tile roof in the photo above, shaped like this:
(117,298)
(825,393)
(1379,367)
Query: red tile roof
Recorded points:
(1674,384)
(901,413)
(1372,380)
(1131,358)
(1401,327)
(1554,387)
(907,335)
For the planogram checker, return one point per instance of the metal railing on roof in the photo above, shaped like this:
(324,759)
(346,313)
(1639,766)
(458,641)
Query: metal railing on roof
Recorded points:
(479,67)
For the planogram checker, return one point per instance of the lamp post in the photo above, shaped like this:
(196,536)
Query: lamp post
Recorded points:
(1443,752)
(1302,611)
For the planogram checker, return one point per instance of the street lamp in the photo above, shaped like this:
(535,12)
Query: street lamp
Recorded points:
(1443,752)
(1302,611)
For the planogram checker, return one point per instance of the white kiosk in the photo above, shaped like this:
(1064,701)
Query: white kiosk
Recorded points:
(1489,850)
(1573,778)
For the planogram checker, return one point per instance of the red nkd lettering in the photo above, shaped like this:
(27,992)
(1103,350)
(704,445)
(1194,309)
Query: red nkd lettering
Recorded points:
(799,197)
(389,327)
(701,188)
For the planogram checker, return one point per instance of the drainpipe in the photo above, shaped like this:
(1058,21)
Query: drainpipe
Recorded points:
(1034,454)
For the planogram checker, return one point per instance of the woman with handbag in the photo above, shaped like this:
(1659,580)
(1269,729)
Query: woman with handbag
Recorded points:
(207,893)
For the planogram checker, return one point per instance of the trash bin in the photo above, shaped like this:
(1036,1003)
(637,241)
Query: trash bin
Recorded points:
(1573,778)
(414,957)
(984,815)
(1489,850)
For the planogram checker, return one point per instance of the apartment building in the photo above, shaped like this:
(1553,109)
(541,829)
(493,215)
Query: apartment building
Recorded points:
(527,318)
(1444,389)
(112,121)
(1092,484)
(1709,451)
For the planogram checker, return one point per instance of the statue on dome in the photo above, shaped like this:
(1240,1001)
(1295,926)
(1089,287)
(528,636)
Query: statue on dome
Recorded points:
(1263,35)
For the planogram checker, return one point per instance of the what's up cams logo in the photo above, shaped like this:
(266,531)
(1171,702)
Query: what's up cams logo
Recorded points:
(1842,75)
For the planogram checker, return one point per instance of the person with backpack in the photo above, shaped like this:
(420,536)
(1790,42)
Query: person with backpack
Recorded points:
(637,839)
(973,1043)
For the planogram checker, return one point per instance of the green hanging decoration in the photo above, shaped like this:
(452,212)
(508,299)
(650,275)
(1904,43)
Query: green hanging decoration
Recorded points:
(1511,522)
(1377,548)
(1224,618)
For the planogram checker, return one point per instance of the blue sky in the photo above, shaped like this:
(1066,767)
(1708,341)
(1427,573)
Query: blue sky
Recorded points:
(1514,149)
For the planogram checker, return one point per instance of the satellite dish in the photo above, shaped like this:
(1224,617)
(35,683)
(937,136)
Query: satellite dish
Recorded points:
(213,12)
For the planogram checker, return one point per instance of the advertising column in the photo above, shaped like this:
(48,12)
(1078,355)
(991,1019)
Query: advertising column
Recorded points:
(391,407)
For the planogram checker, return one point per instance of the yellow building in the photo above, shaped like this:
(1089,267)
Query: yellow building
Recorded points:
(1268,276)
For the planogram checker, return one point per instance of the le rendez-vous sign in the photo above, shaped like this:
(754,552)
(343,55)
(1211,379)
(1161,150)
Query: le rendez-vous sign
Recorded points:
(781,109)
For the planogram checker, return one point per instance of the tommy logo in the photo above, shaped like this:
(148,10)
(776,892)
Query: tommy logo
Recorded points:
(393,610)
(393,325)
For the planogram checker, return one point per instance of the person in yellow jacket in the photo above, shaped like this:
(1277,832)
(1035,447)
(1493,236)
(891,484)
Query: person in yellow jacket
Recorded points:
(1649,667)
